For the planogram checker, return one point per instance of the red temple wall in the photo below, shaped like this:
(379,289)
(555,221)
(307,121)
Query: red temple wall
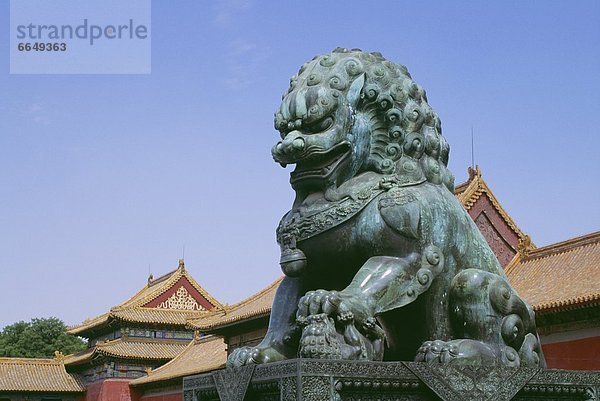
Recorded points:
(167,396)
(110,390)
(484,204)
(581,354)
(498,234)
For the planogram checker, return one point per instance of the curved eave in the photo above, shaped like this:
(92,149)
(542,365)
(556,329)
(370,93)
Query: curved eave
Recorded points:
(587,301)
(200,356)
(91,326)
(254,307)
(225,323)
(127,349)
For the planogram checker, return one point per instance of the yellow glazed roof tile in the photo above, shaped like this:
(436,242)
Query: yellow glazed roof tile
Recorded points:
(140,350)
(201,355)
(153,315)
(560,276)
(258,304)
(79,357)
(37,375)
(128,349)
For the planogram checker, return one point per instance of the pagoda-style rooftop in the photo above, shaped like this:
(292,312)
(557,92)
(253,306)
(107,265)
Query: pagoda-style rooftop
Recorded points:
(144,332)
(37,375)
(169,300)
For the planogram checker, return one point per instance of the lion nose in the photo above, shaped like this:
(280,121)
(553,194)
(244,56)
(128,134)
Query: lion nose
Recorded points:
(298,144)
(290,147)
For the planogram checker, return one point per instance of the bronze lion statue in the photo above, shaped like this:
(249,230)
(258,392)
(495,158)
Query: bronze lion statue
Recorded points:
(381,260)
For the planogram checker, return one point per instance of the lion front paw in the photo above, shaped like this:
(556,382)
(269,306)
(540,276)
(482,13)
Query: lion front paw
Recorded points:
(460,352)
(437,351)
(253,355)
(336,326)
(240,357)
(342,307)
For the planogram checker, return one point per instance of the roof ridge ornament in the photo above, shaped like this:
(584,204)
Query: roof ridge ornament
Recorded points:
(59,356)
(525,245)
(474,172)
(181,264)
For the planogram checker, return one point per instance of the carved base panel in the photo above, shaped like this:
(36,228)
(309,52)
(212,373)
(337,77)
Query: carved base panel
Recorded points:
(326,380)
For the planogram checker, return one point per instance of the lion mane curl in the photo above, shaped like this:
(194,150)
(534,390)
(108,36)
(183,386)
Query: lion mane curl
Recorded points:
(406,133)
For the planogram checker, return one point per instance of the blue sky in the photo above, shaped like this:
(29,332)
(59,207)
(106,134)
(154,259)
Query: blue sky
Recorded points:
(102,176)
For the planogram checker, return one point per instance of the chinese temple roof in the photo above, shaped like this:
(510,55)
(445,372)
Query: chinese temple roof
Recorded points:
(474,188)
(167,300)
(560,276)
(128,349)
(201,355)
(37,375)
(258,305)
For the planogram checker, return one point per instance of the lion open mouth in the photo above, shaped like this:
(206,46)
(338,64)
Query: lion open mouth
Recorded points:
(318,166)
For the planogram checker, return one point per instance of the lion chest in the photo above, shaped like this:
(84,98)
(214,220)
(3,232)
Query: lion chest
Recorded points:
(341,240)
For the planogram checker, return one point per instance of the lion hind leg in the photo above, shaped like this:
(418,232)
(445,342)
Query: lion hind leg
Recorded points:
(489,319)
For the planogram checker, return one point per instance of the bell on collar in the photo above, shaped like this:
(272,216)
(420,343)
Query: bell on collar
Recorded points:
(292,262)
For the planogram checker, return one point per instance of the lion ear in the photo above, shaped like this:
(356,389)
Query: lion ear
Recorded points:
(353,95)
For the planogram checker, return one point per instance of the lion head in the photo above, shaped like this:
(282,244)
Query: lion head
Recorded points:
(349,112)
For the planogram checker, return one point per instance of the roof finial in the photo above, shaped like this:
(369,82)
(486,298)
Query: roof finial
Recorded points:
(181,264)
(59,356)
(525,246)
(474,172)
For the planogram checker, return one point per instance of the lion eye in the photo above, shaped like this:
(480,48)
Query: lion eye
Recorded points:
(322,125)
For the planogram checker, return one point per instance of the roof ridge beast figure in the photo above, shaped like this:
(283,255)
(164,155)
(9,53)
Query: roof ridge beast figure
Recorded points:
(382,261)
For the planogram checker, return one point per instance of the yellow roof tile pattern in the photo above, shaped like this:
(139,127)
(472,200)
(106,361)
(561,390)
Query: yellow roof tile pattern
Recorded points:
(154,315)
(257,305)
(132,310)
(560,276)
(37,375)
(128,349)
(79,357)
(202,355)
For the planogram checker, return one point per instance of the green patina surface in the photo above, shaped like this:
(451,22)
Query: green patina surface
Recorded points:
(382,262)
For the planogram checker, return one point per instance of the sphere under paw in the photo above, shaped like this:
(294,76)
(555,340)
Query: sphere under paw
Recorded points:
(320,338)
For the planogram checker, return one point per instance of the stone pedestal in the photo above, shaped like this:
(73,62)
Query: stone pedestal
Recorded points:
(325,380)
